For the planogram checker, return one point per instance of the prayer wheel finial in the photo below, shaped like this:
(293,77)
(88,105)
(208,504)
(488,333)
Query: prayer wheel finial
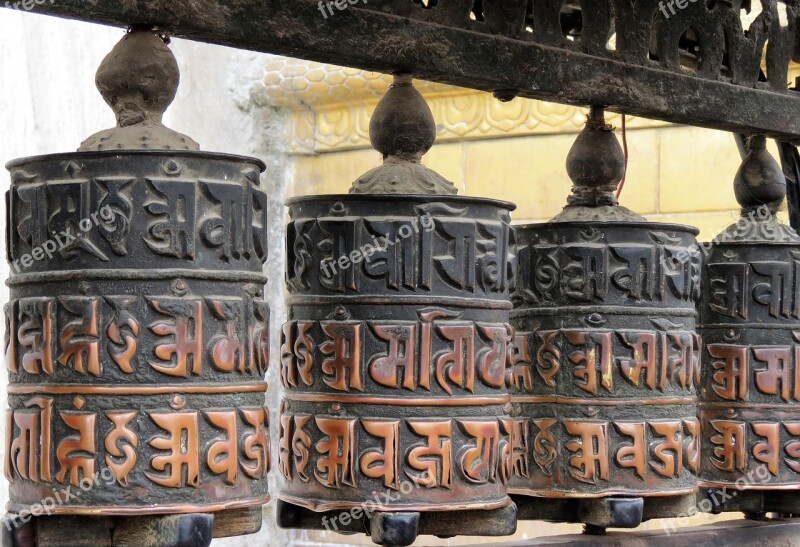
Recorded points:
(748,321)
(139,80)
(401,291)
(596,166)
(403,130)
(605,354)
(137,265)
(760,188)
(760,180)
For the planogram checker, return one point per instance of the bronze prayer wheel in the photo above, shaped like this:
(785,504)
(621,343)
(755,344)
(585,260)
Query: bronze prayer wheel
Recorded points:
(137,334)
(750,315)
(394,355)
(606,355)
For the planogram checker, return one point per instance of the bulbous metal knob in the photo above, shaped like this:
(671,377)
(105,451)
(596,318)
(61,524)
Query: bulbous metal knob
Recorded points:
(760,188)
(403,130)
(402,124)
(139,80)
(760,180)
(596,165)
(596,159)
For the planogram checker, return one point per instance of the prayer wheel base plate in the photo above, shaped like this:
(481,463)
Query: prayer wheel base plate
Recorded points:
(610,512)
(753,503)
(401,528)
(188,530)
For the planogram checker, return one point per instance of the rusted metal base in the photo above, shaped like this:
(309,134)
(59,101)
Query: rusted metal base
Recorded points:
(754,504)
(601,513)
(238,522)
(401,528)
(189,530)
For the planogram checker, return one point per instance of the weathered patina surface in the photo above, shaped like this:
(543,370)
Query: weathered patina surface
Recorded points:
(394,355)
(751,329)
(606,353)
(137,336)
(141,345)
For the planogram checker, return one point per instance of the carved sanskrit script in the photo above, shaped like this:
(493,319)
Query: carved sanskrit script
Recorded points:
(443,251)
(426,452)
(172,449)
(137,335)
(600,361)
(594,272)
(405,355)
(751,365)
(188,335)
(235,229)
(739,290)
(421,451)
(394,367)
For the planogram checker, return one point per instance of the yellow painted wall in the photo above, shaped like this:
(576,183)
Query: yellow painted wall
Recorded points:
(513,151)
(675,174)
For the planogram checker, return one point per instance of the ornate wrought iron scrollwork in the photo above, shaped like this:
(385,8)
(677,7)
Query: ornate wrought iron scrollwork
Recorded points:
(706,38)
(685,62)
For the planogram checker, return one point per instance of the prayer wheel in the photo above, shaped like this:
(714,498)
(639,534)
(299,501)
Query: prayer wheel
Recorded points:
(750,314)
(137,334)
(606,355)
(394,355)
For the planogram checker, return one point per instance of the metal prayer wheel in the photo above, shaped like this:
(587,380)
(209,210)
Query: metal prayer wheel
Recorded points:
(394,355)
(750,313)
(606,355)
(137,334)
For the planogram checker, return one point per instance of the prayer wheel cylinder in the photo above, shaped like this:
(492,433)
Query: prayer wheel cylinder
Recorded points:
(394,355)
(137,334)
(750,315)
(606,354)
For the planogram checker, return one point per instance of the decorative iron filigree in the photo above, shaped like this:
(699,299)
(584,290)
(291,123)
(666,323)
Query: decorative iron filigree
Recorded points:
(705,39)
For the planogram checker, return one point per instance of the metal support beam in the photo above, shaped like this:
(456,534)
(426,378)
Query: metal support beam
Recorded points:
(504,53)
